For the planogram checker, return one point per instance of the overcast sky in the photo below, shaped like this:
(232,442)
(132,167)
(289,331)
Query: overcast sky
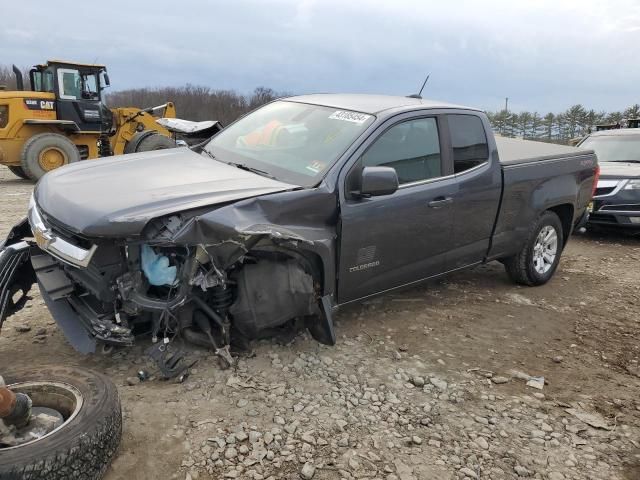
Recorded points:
(543,54)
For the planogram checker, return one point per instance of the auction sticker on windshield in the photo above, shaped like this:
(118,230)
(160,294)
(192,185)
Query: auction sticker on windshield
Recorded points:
(353,117)
(316,166)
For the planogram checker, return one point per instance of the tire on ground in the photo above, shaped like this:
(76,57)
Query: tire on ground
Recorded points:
(19,172)
(33,159)
(520,267)
(84,447)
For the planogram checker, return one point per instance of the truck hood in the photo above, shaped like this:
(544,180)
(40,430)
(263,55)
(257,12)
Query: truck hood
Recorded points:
(609,170)
(117,197)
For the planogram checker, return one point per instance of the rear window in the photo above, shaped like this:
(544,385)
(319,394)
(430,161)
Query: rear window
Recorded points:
(4,116)
(469,142)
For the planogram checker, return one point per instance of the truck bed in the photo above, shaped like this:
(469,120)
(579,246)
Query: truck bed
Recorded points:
(564,182)
(514,151)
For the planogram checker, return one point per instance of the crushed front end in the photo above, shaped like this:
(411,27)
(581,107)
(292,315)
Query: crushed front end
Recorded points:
(177,279)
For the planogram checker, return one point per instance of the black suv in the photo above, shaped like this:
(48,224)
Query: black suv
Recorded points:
(617,198)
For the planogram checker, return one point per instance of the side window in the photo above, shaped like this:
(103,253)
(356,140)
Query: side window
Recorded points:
(47,81)
(412,148)
(469,142)
(89,87)
(69,84)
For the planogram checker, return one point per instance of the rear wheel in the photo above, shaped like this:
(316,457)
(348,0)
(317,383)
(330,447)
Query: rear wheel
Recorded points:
(536,263)
(79,411)
(45,152)
(19,172)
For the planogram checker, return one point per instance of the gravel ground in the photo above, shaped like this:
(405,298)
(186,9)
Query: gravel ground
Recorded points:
(427,383)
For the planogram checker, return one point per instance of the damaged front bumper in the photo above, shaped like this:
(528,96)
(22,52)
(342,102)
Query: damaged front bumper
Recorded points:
(105,295)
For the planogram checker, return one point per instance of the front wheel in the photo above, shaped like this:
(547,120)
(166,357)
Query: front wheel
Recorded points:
(75,427)
(45,152)
(19,172)
(538,260)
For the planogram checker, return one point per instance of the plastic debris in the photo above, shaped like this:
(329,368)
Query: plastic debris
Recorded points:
(536,382)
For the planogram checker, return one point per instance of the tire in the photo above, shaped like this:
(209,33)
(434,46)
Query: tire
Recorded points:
(45,152)
(155,141)
(147,141)
(19,172)
(83,447)
(528,268)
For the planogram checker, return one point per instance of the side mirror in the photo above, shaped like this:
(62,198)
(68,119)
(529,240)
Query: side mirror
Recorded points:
(378,181)
(105,78)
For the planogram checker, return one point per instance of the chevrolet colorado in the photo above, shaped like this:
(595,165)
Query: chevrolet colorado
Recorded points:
(304,205)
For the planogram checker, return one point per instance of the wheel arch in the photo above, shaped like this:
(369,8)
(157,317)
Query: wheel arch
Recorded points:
(565,212)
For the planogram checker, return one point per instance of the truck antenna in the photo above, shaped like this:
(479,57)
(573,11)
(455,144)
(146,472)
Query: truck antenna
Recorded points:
(419,94)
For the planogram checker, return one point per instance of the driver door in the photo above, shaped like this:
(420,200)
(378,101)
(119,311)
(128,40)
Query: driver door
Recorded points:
(72,105)
(392,240)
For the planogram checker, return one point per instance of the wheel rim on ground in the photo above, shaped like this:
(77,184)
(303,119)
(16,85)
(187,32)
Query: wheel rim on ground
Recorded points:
(51,158)
(62,398)
(545,249)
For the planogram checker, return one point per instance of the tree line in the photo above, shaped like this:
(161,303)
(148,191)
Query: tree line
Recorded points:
(192,102)
(204,103)
(196,102)
(561,127)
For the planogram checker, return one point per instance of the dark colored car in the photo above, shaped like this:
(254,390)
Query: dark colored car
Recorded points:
(617,198)
(304,205)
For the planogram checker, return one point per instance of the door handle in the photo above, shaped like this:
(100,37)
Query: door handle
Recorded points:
(440,202)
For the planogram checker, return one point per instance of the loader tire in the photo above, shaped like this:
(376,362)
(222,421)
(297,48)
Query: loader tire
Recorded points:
(45,152)
(81,448)
(538,259)
(19,172)
(155,142)
(147,141)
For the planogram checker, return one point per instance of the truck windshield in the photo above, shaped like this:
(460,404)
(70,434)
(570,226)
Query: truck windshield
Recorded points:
(614,148)
(292,142)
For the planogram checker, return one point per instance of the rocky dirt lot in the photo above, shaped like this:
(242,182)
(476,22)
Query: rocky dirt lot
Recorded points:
(427,383)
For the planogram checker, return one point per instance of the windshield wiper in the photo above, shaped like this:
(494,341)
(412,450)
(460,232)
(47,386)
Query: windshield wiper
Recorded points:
(211,155)
(257,171)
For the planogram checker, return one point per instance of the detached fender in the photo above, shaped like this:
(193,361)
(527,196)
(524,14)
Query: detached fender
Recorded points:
(18,232)
(16,272)
(16,278)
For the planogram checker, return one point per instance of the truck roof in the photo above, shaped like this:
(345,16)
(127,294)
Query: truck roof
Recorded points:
(371,104)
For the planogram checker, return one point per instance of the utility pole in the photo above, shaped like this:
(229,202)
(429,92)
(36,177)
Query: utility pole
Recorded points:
(506,104)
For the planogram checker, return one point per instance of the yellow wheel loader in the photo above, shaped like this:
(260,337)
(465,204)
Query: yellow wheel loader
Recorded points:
(63,119)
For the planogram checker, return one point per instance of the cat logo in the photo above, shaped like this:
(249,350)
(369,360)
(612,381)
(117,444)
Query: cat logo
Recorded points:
(35,104)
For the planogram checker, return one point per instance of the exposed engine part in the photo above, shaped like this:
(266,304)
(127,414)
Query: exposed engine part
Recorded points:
(216,310)
(15,408)
(270,293)
(208,276)
(223,352)
(134,289)
(162,229)
(169,360)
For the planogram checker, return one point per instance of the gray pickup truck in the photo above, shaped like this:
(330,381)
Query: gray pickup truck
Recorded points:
(304,205)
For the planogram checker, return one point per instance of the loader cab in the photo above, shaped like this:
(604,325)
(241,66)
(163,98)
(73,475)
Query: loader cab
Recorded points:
(78,92)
